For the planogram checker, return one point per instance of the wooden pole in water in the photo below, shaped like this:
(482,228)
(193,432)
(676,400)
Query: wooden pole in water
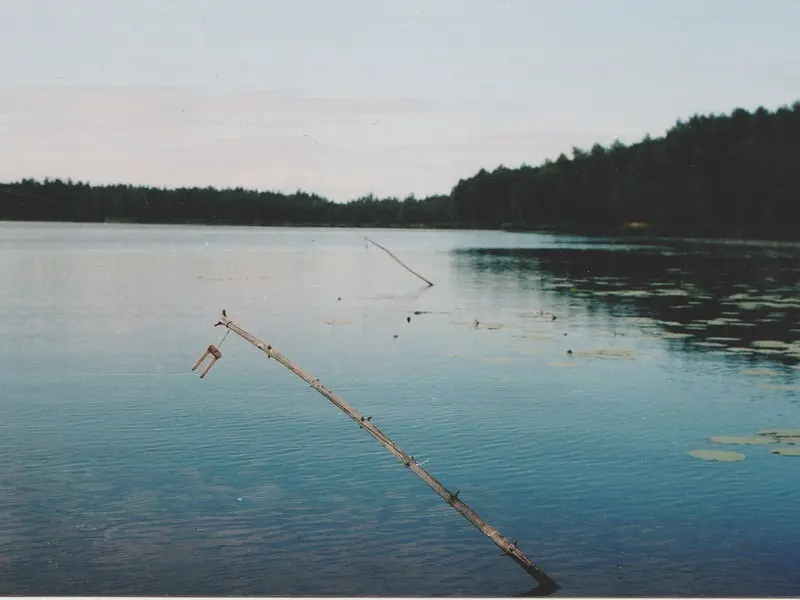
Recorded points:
(546,584)
(406,267)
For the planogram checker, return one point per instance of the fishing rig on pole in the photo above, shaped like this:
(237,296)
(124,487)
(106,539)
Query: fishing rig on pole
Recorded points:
(546,585)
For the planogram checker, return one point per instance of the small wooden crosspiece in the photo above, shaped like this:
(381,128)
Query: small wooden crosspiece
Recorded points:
(215,354)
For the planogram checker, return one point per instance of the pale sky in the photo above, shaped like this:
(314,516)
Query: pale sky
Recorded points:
(350,97)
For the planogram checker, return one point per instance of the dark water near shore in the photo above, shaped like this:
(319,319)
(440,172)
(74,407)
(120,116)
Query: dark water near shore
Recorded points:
(121,472)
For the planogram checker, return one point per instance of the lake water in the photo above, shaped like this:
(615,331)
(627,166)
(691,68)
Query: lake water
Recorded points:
(122,472)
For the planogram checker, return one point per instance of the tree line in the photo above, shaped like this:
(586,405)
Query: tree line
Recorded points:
(731,175)
(734,175)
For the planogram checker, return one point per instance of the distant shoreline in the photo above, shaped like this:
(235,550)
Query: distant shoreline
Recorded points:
(731,178)
(640,239)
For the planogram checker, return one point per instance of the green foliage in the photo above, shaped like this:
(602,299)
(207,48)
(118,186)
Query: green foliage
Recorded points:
(715,176)
(54,200)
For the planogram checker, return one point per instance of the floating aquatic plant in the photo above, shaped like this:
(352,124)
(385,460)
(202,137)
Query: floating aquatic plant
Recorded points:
(787,451)
(743,440)
(721,455)
(779,433)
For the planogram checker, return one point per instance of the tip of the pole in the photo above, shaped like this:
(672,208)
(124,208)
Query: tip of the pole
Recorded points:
(540,590)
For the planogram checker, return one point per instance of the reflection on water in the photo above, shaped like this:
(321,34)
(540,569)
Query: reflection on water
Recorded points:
(743,301)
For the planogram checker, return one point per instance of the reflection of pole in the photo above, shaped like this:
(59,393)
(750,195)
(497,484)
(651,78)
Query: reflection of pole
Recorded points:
(399,261)
(546,584)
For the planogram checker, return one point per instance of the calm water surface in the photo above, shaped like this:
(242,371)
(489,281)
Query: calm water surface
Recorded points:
(124,473)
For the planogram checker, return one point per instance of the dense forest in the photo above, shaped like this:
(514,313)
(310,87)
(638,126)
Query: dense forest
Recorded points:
(734,175)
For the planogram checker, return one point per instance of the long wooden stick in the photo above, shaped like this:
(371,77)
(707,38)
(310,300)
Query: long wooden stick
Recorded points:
(405,266)
(546,584)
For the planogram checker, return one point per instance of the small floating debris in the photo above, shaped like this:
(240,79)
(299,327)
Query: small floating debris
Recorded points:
(743,440)
(720,455)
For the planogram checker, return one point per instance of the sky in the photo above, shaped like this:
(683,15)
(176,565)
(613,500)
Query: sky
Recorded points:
(346,98)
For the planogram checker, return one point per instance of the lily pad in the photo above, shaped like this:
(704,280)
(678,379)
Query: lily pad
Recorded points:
(721,455)
(793,440)
(787,451)
(749,440)
(780,432)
